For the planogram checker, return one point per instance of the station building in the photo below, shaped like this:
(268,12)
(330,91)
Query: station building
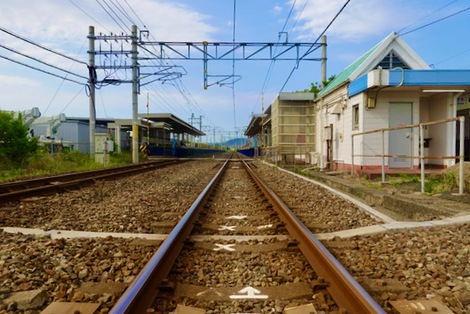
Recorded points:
(386,109)
(164,133)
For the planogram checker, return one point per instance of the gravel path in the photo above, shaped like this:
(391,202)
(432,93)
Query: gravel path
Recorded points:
(428,262)
(431,263)
(151,202)
(319,209)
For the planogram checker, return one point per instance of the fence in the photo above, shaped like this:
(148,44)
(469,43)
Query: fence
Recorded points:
(421,156)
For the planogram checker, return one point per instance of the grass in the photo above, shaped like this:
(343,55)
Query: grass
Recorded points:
(403,179)
(44,163)
(407,183)
(440,184)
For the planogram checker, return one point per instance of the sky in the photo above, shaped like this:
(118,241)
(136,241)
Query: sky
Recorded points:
(437,30)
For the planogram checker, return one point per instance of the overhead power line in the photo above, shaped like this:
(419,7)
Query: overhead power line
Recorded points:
(436,21)
(316,41)
(40,61)
(123,11)
(40,46)
(426,16)
(43,71)
(112,17)
(130,7)
(86,13)
(271,64)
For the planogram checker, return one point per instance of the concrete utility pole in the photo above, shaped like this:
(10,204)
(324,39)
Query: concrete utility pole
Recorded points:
(323,61)
(91,82)
(135,92)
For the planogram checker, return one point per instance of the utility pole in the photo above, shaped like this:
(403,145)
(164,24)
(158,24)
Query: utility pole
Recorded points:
(135,92)
(148,121)
(91,84)
(323,61)
(200,128)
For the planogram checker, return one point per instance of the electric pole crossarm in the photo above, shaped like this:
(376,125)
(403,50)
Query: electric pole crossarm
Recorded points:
(113,52)
(113,67)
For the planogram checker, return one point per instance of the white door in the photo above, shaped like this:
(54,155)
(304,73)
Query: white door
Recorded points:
(400,141)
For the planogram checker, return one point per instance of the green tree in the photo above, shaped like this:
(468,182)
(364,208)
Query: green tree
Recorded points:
(316,87)
(16,147)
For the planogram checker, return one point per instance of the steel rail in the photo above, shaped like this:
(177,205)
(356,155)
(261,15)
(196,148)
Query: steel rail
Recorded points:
(139,296)
(73,180)
(344,289)
(68,176)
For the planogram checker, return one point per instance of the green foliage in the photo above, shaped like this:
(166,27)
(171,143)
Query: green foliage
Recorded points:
(44,163)
(440,184)
(405,178)
(315,88)
(16,147)
(120,159)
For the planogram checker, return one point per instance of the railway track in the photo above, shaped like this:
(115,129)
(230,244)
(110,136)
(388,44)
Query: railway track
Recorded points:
(14,190)
(232,253)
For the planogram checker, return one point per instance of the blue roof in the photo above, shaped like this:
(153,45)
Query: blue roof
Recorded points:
(429,78)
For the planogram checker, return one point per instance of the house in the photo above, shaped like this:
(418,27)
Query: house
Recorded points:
(390,86)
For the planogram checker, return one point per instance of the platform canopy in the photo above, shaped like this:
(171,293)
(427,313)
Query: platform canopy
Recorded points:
(255,125)
(175,124)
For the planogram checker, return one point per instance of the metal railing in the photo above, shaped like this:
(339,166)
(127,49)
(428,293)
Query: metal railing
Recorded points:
(421,156)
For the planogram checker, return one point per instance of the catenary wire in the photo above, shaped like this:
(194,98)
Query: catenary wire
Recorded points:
(130,7)
(436,21)
(123,11)
(316,41)
(71,101)
(271,64)
(91,17)
(426,16)
(62,82)
(112,17)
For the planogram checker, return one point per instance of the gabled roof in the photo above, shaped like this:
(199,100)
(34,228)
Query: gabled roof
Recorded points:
(374,57)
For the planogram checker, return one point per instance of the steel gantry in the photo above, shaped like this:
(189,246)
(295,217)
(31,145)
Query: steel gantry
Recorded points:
(121,53)
(232,51)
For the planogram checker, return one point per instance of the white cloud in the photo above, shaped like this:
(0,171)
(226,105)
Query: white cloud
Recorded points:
(277,9)
(61,23)
(13,81)
(359,20)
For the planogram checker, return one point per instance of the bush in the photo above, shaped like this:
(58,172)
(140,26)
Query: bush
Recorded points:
(16,147)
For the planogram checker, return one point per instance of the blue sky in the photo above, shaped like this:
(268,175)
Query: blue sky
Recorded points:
(63,26)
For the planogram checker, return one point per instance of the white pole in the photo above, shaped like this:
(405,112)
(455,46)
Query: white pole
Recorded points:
(421,154)
(462,154)
(383,155)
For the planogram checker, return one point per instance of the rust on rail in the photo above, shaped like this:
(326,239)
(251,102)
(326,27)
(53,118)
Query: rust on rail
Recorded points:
(143,290)
(345,290)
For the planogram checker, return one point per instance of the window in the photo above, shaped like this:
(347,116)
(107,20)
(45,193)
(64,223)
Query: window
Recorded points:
(355,117)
